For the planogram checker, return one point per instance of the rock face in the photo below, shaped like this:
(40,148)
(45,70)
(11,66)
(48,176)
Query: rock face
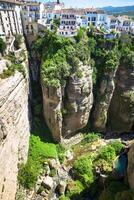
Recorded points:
(67,109)
(14,131)
(130,170)
(103,100)
(121,112)
(114,106)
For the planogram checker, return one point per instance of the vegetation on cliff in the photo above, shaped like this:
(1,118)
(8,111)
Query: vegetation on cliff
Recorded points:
(60,57)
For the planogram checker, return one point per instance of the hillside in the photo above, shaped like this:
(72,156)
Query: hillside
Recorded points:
(125,10)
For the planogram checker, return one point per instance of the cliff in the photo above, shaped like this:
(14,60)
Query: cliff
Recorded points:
(114,105)
(121,112)
(14,128)
(67,109)
(67,84)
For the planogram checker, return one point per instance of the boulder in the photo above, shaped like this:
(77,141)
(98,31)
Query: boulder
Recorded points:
(43,193)
(54,164)
(48,182)
(62,187)
(69,155)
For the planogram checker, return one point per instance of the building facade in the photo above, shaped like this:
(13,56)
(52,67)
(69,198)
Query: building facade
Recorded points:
(10,18)
(95,17)
(31,12)
(68,25)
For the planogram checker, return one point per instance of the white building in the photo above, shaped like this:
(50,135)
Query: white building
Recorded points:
(68,24)
(95,17)
(112,22)
(81,18)
(31,12)
(125,24)
(10,19)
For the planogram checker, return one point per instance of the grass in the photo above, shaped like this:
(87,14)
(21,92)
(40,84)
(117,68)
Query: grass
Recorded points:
(39,152)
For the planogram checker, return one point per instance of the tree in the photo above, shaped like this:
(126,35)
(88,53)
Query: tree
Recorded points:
(2,46)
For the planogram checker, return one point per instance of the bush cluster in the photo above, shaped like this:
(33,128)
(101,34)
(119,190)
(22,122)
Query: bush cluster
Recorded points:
(38,153)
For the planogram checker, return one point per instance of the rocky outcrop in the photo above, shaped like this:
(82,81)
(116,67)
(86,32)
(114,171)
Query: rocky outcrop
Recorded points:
(121,112)
(14,131)
(103,100)
(130,170)
(67,109)
(52,103)
(114,105)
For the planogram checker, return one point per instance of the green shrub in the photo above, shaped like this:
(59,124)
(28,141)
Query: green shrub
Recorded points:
(90,137)
(80,34)
(61,152)
(38,153)
(28,173)
(83,170)
(11,70)
(107,153)
(117,145)
(74,188)
(64,198)
(53,172)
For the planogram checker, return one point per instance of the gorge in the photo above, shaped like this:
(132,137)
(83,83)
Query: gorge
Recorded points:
(79,85)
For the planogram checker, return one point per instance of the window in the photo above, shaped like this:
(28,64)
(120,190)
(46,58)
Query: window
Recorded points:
(93,23)
(93,18)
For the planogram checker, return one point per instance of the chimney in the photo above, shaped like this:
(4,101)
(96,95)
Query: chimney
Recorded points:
(58,1)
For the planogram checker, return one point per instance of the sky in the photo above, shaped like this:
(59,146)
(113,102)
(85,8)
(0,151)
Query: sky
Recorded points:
(96,3)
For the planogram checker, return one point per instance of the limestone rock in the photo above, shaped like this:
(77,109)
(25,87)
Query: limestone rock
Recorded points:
(67,109)
(62,187)
(48,182)
(130,170)
(54,164)
(103,100)
(14,131)
(79,101)
(43,193)
(69,155)
(121,111)
(52,101)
